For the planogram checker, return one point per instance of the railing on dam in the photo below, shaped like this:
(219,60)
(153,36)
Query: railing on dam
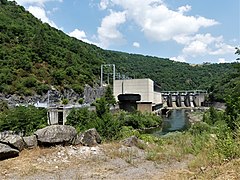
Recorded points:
(185,92)
(188,98)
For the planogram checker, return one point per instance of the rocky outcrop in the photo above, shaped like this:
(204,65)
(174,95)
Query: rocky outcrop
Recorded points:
(132,141)
(55,96)
(7,152)
(13,140)
(30,141)
(92,93)
(56,134)
(11,144)
(88,138)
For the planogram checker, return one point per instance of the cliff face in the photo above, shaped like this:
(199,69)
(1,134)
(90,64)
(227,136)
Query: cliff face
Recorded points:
(55,97)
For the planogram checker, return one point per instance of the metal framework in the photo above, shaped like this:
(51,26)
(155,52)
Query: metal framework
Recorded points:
(102,69)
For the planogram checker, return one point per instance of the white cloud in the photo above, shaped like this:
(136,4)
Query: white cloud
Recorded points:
(40,13)
(81,35)
(158,22)
(178,58)
(136,44)
(204,44)
(184,9)
(36,7)
(195,47)
(53,10)
(108,32)
(221,60)
(104,4)
(222,48)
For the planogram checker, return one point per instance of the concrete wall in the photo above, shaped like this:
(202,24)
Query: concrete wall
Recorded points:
(144,87)
(157,98)
(144,107)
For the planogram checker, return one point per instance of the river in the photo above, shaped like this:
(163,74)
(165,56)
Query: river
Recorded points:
(177,121)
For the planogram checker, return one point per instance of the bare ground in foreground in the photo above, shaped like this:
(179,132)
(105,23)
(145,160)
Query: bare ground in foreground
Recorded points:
(106,161)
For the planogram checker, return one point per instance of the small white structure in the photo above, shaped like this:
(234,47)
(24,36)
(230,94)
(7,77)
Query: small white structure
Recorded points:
(58,115)
(151,98)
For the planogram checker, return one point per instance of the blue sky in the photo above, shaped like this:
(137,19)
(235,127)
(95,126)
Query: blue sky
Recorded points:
(192,31)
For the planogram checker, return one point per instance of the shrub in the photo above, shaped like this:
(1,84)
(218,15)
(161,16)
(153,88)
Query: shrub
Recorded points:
(107,126)
(80,101)
(78,88)
(127,131)
(140,120)
(42,88)
(65,101)
(199,128)
(3,106)
(23,119)
(29,82)
(81,118)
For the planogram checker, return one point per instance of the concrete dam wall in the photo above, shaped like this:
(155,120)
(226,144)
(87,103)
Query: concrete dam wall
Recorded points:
(194,98)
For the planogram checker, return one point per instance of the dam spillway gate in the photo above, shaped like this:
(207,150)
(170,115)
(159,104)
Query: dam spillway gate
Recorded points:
(190,98)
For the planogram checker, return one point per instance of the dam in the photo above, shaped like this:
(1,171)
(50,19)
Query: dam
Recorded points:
(189,98)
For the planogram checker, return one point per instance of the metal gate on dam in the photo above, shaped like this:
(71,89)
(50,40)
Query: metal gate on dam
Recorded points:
(190,98)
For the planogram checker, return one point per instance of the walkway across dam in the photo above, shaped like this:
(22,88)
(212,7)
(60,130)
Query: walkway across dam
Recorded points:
(189,98)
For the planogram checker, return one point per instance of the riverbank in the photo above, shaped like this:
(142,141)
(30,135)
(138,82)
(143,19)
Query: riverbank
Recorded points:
(169,159)
(195,116)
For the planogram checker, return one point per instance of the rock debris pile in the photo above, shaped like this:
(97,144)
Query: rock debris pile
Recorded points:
(11,144)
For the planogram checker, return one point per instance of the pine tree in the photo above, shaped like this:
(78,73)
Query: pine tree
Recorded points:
(109,97)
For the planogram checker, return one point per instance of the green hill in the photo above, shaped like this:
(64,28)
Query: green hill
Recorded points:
(35,56)
(170,75)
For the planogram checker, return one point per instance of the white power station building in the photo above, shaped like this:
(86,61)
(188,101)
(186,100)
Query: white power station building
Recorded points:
(151,97)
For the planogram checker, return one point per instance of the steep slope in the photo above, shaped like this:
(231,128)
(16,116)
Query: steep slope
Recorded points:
(35,56)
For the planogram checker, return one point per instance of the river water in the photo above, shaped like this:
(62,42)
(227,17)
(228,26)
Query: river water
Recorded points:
(177,121)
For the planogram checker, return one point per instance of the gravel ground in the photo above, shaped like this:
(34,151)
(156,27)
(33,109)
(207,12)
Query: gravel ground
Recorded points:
(107,161)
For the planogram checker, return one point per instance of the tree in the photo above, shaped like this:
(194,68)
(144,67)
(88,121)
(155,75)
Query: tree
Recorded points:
(3,106)
(110,99)
(102,107)
(237,52)
(233,99)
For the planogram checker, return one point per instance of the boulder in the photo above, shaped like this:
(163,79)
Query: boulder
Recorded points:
(132,141)
(88,138)
(30,141)
(56,134)
(13,140)
(7,152)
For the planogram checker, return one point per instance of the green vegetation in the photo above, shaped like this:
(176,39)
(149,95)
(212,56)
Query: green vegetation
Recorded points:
(109,96)
(213,142)
(65,101)
(34,56)
(111,126)
(22,119)
(80,101)
(170,75)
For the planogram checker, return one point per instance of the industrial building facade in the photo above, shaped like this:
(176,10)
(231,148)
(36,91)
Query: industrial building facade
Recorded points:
(151,98)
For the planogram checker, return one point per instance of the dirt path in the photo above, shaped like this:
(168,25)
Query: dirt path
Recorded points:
(108,161)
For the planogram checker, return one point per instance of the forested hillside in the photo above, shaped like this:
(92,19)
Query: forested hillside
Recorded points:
(35,56)
(170,75)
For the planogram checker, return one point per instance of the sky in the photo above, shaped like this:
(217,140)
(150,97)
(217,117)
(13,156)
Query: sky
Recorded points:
(192,31)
